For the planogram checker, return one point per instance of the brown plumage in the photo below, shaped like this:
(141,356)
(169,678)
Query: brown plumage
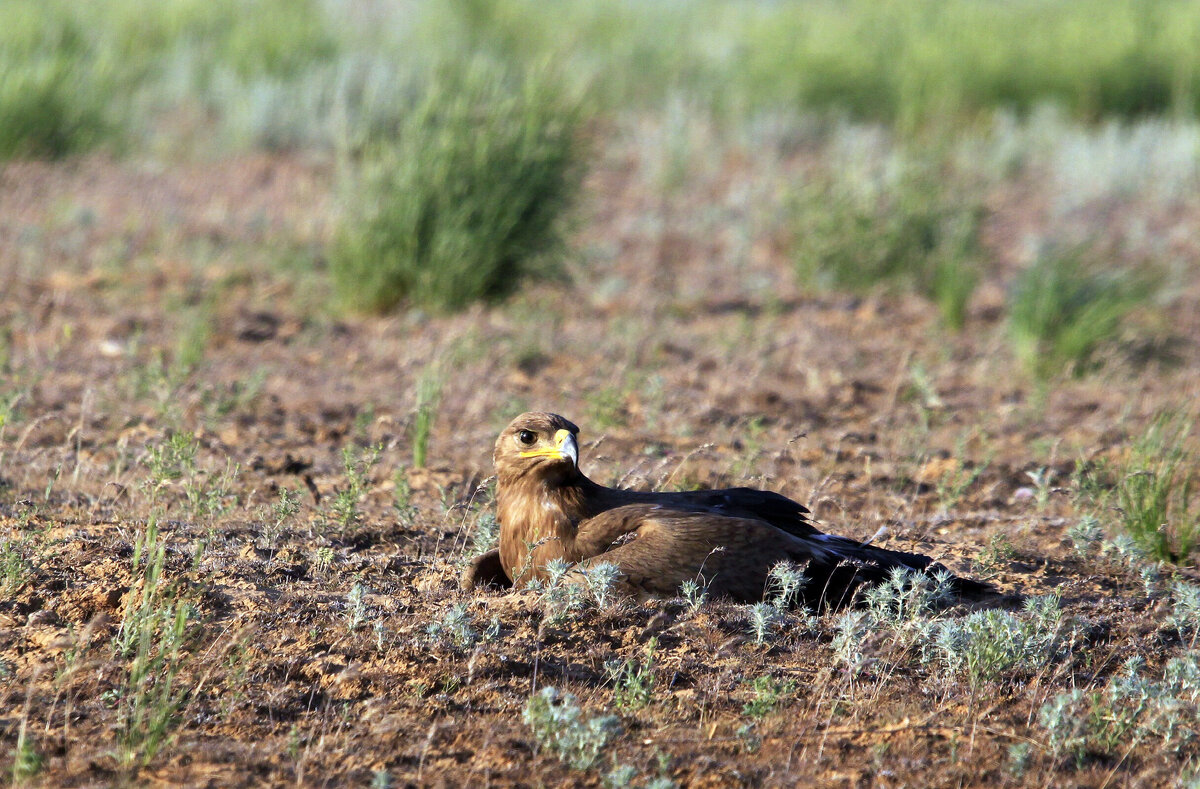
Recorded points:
(727,540)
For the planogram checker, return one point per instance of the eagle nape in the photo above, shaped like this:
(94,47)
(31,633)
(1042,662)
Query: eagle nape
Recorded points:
(726,540)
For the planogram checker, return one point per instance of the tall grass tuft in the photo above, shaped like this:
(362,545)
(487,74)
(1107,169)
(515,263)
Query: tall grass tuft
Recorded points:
(470,198)
(1155,495)
(906,228)
(429,392)
(52,91)
(1062,310)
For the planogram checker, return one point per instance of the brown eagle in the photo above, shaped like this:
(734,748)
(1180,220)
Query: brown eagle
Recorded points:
(726,540)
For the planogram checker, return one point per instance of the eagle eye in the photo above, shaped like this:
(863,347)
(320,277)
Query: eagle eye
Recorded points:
(527,437)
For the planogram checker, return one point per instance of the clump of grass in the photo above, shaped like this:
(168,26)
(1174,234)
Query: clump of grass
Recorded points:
(470,198)
(15,570)
(560,726)
(429,390)
(54,90)
(1154,496)
(905,230)
(154,635)
(1063,308)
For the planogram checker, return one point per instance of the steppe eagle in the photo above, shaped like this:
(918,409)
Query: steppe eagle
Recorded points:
(725,540)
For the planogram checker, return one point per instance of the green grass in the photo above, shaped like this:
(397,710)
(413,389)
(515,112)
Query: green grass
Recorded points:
(74,76)
(1155,494)
(1063,309)
(52,84)
(469,201)
(903,226)
(897,62)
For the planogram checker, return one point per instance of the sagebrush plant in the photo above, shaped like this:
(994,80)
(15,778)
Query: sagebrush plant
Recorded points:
(991,645)
(1064,307)
(562,597)
(1185,611)
(560,726)
(356,607)
(485,536)
(456,627)
(1128,709)
(764,620)
(907,595)
(694,595)
(785,581)
(1085,535)
(907,229)
(601,579)
(1155,497)
(469,199)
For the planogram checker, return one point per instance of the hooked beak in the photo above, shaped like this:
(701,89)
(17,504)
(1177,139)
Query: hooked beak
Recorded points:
(565,447)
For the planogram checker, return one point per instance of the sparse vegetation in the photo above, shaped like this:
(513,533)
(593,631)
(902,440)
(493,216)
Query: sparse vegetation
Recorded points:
(153,636)
(455,627)
(991,645)
(428,391)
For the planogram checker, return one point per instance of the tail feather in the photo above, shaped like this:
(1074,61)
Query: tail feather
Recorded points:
(837,567)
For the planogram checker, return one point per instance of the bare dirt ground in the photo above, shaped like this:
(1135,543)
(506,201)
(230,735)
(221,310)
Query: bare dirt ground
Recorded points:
(140,303)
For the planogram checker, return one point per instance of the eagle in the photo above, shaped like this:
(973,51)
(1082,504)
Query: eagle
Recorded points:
(726,541)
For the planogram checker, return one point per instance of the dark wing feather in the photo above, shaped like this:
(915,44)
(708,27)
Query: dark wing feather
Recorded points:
(765,505)
(733,556)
